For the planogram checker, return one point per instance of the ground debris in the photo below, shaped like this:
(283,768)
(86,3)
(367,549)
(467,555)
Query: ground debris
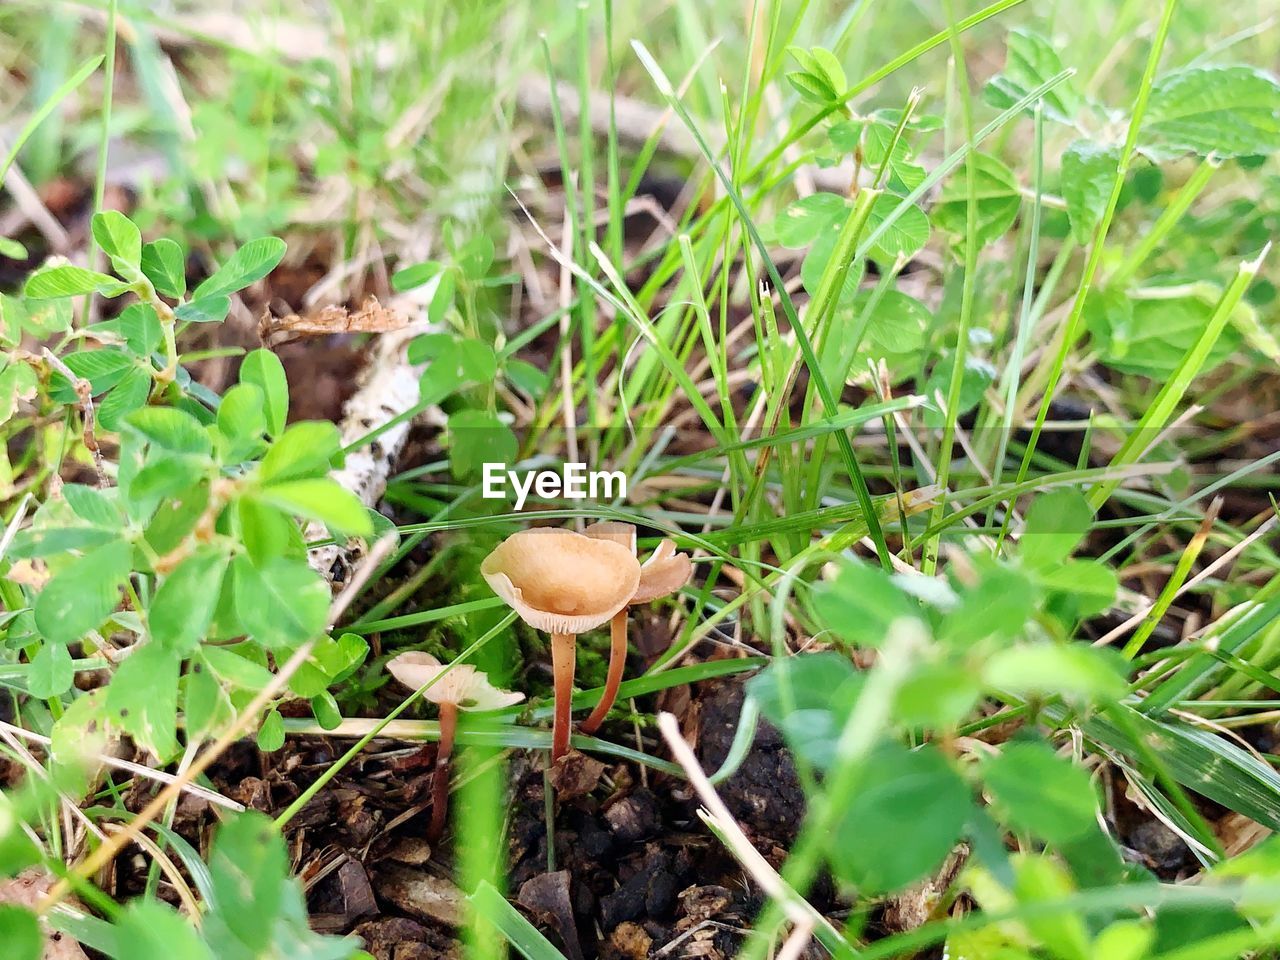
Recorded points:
(371,317)
(421,894)
(26,890)
(398,938)
(547,896)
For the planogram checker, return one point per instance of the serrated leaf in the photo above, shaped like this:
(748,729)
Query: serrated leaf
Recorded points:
(142,698)
(90,505)
(906,236)
(128,395)
(183,606)
(812,88)
(64,281)
(170,429)
(271,733)
(996,196)
(804,220)
(1040,792)
(120,240)
(1232,111)
(51,672)
(207,309)
(263,369)
(304,450)
(82,595)
(165,266)
(323,500)
(897,785)
(1088,173)
(1030,61)
(281,604)
(247,265)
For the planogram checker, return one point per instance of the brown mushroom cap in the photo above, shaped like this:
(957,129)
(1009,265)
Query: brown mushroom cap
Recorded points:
(561,581)
(463,685)
(664,572)
(615,530)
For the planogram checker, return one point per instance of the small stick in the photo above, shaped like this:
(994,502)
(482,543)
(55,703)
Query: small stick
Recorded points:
(84,395)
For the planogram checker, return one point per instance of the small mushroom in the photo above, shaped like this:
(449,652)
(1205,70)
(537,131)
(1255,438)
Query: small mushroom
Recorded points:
(459,687)
(663,573)
(565,583)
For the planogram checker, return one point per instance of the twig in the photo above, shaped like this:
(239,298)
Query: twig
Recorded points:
(84,395)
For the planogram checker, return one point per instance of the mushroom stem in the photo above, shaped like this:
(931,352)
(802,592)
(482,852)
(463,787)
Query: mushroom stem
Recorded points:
(440,779)
(563,661)
(617,664)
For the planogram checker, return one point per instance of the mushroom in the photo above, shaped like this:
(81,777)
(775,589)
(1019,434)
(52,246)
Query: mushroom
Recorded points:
(565,583)
(663,573)
(452,688)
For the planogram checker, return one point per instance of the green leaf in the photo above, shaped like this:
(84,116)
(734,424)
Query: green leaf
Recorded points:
(271,733)
(1037,791)
(18,381)
(1056,523)
(51,672)
(804,219)
(1232,111)
(330,661)
(12,249)
(977,376)
(407,278)
(205,705)
(20,932)
(1071,670)
(870,849)
(241,417)
(904,175)
(155,931)
(1150,337)
(267,532)
(92,506)
(165,265)
(64,281)
(183,607)
(324,500)
(263,369)
(171,429)
(896,330)
(1030,61)
(102,368)
(120,240)
(937,696)
(1062,933)
(1088,172)
(324,707)
(1123,940)
(237,670)
(860,603)
(209,309)
(247,265)
(997,198)
(142,698)
(305,449)
(83,594)
(124,398)
(808,699)
(905,237)
(283,603)
(477,437)
(140,326)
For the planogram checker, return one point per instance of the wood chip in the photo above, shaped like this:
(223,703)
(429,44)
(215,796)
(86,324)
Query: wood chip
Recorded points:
(422,895)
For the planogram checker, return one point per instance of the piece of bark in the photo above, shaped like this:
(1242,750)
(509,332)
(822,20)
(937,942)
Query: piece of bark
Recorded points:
(387,389)
(547,896)
(422,895)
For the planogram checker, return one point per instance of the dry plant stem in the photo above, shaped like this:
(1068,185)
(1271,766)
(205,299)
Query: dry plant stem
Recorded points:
(118,841)
(563,657)
(617,664)
(440,779)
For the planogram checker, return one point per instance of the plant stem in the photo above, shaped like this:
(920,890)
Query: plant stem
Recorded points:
(440,779)
(564,651)
(617,664)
